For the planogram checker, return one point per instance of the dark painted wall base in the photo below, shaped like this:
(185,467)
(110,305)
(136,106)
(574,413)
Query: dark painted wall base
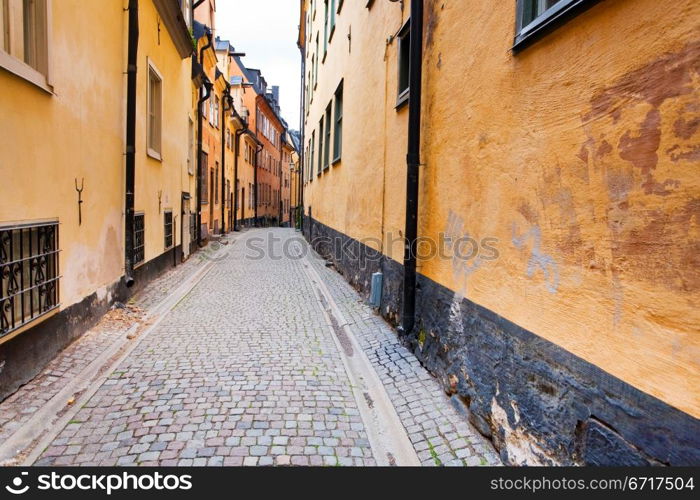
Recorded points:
(538,402)
(23,357)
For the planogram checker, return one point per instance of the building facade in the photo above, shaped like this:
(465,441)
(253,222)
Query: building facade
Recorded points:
(557,208)
(70,200)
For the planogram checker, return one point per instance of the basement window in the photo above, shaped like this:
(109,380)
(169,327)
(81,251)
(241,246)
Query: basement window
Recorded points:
(535,18)
(28,273)
(139,238)
(168,229)
(404,57)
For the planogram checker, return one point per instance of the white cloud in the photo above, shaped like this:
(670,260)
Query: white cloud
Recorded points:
(267,30)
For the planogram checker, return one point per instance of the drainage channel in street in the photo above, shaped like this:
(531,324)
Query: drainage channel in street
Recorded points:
(387,435)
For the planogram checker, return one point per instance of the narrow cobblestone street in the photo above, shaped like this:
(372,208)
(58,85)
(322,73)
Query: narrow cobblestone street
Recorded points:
(245,371)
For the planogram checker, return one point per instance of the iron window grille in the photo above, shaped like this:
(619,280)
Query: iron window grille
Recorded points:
(168,229)
(28,274)
(139,238)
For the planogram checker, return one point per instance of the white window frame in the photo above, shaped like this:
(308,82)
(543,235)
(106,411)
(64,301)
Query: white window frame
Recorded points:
(156,154)
(39,77)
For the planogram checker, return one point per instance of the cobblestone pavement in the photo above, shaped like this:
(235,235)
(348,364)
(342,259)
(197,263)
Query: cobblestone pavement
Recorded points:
(436,425)
(18,408)
(245,371)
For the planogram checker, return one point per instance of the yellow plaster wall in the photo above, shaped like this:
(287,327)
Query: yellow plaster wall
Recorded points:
(154,176)
(579,155)
(47,141)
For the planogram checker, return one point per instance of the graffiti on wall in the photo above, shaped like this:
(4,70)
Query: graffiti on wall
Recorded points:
(538,260)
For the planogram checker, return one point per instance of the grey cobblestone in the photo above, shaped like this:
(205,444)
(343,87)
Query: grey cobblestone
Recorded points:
(439,433)
(19,407)
(243,371)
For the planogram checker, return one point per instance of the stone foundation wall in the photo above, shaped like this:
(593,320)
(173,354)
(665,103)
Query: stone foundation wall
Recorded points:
(539,403)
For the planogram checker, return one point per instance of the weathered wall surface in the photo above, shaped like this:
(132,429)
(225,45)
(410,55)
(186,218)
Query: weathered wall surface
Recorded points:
(49,141)
(580,156)
(577,159)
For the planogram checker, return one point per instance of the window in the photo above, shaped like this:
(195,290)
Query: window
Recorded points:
(536,17)
(215,114)
(317,64)
(139,238)
(28,273)
(168,229)
(212,180)
(325,28)
(215,184)
(187,11)
(320,146)
(340,5)
(309,88)
(24,43)
(204,181)
(190,149)
(338,132)
(331,30)
(404,63)
(154,112)
(311,158)
(327,143)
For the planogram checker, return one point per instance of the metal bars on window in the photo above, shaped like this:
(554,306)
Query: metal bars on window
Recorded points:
(28,274)
(168,229)
(139,238)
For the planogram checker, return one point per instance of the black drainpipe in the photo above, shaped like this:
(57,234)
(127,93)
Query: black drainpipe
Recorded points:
(129,187)
(236,151)
(204,94)
(413,166)
(224,127)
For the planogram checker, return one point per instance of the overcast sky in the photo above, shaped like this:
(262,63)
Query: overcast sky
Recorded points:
(266,30)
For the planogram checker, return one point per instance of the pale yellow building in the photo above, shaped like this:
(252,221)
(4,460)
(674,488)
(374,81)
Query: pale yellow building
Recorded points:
(63,148)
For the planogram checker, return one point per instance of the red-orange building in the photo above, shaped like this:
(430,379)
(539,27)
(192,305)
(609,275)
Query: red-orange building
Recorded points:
(269,129)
